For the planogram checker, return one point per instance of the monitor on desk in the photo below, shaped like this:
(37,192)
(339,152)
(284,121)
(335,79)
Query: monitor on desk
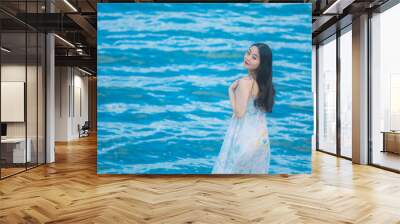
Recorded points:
(3,130)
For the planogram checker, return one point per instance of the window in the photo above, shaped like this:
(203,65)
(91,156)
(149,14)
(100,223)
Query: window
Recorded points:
(327,95)
(385,89)
(346,92)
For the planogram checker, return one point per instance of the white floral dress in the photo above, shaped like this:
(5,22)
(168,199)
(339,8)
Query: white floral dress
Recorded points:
(246,148)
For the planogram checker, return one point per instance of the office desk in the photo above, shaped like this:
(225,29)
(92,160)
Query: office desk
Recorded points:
(15,148)
(391,141)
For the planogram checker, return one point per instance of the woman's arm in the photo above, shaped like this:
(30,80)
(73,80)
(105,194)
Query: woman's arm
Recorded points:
(232,98)
(239,97)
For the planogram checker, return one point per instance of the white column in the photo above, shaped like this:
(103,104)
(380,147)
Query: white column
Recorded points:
(50,91)
(360,90)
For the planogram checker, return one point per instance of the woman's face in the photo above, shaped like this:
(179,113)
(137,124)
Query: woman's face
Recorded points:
(251,58)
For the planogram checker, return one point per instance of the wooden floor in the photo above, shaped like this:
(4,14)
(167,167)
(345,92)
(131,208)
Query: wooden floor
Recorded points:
(387,159)
(5,172)
(9,171)
(70,191)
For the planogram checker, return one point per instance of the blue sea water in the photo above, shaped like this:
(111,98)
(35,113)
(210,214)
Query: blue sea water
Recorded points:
(163,77)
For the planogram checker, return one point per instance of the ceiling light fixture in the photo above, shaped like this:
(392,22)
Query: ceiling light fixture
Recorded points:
(84,71)
(5,49)
(70,5)
(64,40)
(337,7)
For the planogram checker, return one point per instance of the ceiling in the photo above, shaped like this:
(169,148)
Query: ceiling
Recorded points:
(75,22)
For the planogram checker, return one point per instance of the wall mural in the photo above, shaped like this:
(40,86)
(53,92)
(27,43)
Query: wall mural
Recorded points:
(204,88)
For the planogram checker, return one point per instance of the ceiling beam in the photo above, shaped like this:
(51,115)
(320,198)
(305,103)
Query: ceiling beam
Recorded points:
(81,61)
(86,26)
(337,6)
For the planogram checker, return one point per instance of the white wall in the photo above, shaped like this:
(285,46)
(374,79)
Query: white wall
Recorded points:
(12,100)
(17,72)
(81,84)
(33,126)
(62,80)
(70,84)
(14,72)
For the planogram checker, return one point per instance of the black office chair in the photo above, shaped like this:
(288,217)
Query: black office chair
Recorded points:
(84,130)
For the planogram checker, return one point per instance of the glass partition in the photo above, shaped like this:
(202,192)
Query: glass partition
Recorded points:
(22,77)
(13,105)
(346,93)
(385,89)
(327,95)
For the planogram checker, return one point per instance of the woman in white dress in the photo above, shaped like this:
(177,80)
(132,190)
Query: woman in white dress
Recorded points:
(246,148)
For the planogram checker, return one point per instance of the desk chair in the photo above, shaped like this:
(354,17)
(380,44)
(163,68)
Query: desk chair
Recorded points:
(84,130)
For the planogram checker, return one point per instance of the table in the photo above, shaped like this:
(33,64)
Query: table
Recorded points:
(391,141)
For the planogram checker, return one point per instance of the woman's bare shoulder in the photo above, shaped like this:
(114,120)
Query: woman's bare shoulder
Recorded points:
(245,78)
(245,81)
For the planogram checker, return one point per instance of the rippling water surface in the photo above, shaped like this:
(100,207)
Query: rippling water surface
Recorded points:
(163,77)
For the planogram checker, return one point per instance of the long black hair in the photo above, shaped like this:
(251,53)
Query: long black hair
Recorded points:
(266,94)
